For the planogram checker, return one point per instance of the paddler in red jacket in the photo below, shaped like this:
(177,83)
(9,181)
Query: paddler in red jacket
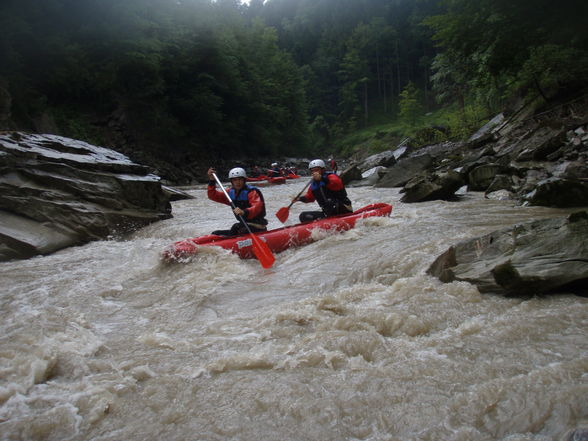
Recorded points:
(328,190)
(248,201)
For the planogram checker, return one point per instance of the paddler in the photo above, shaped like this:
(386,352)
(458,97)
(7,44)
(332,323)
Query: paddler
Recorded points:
(275,171)
(248,201)
(328,190)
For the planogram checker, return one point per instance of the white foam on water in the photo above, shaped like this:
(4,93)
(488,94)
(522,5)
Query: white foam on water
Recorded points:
(345,338)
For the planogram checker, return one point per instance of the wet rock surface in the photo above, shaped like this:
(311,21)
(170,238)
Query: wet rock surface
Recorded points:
(530,258)
(57,192)
(539,156)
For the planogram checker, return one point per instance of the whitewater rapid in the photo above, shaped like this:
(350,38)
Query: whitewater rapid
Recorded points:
(343,339)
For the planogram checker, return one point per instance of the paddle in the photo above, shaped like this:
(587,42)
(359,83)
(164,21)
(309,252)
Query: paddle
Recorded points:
(260,248)
(284,212)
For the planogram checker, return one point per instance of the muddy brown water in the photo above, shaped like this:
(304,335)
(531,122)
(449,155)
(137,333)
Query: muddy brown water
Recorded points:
(343,339)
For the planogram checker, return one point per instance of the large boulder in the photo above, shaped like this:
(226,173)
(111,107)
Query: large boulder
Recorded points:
(404,170)
(480,178)
(369,177)
(382,159)
(531,258)
(351,173)
(486,133)
(542,142)
(502,182)
(571,169)
(556,192)
(57,192)
(174,194)
(433,186)
(440,150)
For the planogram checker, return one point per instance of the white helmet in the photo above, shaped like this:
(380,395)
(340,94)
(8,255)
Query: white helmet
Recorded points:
(274,164)
(316,163)
(237,172)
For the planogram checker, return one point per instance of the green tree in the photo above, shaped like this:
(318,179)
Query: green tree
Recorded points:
(411,108)
(550,68)
(353,73)
(497,37)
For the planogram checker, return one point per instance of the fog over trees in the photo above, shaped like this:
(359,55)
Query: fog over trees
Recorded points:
(280,77)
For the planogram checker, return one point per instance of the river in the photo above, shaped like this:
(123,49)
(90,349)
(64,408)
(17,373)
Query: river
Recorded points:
(343,339)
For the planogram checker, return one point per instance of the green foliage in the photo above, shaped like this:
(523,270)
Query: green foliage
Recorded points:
(282,77)
(411,108)
(427,135)
(464,122)
(320,133)
(450,78)
(190,73)
(551,67)
(139,77)
(76,125)
(372,139)
(358,55)
(491,48)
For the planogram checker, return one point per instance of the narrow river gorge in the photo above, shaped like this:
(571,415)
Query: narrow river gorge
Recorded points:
(343,339)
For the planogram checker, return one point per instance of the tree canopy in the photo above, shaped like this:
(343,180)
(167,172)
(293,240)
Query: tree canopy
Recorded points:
(280,77)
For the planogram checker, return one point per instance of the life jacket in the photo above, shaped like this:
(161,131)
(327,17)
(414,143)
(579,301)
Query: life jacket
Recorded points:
(242,201)
(325,197)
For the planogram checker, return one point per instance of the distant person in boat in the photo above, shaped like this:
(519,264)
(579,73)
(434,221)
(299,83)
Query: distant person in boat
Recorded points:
(328,190)
(255,172)
(333,165)
(275,171)
(248,201)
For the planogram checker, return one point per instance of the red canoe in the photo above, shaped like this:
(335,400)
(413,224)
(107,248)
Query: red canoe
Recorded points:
(264,179)
(257,178)
(277,240)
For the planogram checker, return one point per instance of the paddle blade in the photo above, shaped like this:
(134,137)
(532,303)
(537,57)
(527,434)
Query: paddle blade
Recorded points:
(283,214)
(262,252)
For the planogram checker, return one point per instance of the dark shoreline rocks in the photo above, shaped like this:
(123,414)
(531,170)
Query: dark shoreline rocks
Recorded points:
(531,258)
(538,157)
(535,156)
(57,192)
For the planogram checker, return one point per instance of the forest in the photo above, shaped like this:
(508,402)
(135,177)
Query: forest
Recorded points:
(206,79)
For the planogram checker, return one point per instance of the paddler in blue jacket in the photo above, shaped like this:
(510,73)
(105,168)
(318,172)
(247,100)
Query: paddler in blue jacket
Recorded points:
(328,190)
(248,201)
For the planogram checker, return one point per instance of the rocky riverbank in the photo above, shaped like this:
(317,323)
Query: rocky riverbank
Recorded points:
(532,157)
(526,259)
(57,192)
